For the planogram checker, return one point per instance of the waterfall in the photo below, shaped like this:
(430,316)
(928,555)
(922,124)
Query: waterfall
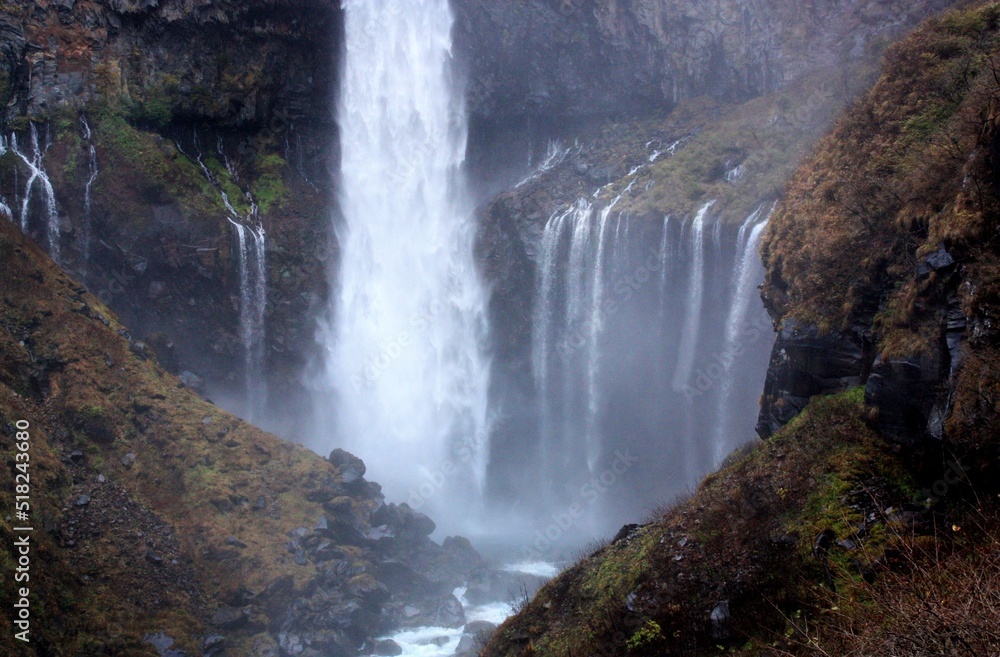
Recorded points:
(88,189)
(695,299)
(38,174)
(405,366)
(747,275)
(251,248)
(632,358)
(251,260)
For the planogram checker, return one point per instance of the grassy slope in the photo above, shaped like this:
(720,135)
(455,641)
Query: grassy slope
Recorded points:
(908,168)
(70,371)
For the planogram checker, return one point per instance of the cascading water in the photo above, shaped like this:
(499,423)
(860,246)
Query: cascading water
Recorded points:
(632,325)
(89,189)
(38,175)
(251,260)
(746,276)
(692,309)
(405,374)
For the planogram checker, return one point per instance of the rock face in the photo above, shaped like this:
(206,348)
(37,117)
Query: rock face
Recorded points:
(573,58)
(805,363)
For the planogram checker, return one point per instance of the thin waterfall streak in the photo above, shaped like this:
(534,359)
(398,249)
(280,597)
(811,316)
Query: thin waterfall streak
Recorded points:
(37,168)
(594,344)
(747,272)
(692,319)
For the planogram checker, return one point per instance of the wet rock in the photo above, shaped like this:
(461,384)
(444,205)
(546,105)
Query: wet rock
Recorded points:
(720,618)
(228,618)
(449,613)
(387,648)
(804,363)
(352,469)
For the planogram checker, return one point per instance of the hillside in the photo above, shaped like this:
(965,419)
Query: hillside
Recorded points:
(160,519)
(866,522)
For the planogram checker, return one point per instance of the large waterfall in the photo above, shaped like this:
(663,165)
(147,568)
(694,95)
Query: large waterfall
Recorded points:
(406,374)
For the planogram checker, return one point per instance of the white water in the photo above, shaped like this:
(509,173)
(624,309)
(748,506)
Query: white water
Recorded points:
(38,175)
(88,190)
(695,300)
(251,261)
(405,370)
(746,276)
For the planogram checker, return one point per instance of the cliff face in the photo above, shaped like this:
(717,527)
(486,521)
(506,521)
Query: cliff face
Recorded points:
(596,58)
(130,99)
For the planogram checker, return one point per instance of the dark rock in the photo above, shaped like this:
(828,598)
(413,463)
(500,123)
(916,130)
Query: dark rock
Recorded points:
(806,363)
(77,457)
(449,613)
(937,261)
(154,558)
(352,469)
(82,500)
(228,618)
(720,618)
(387,648)
(128,460)
(905,392)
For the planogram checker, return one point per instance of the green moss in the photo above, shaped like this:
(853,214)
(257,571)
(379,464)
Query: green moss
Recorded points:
(649,634)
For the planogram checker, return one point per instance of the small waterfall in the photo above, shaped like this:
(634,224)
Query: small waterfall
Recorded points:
(747,275)
(406,372)
(38,175)
(251,245)
(88,190)
(251,260)
(695,299)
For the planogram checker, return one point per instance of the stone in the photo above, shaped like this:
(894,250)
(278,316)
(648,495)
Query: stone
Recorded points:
(228,618)
(82,500)
(449,613)
(128,460)
(387,648)
(352,469)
